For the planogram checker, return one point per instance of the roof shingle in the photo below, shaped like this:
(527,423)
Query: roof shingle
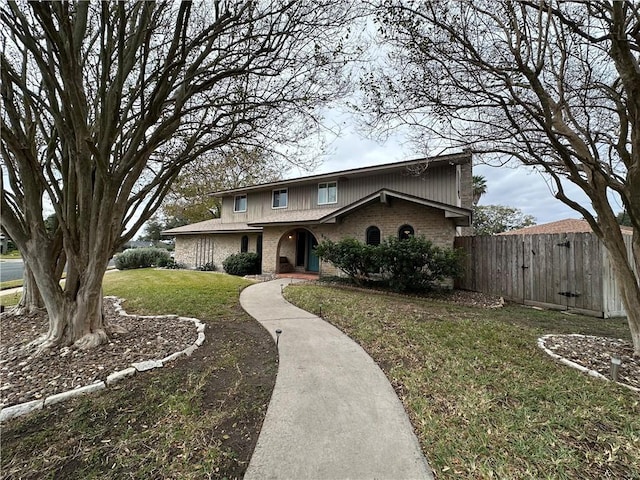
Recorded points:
(568,225)
(214,225)
(294,216)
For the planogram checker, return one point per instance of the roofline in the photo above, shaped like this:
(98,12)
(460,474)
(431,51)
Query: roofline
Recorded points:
(459,212)
(287,222)
(250,229)
(454,158)
(625,230)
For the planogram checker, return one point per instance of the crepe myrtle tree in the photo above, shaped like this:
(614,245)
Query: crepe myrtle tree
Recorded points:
(549,84)
(103,104)
(31,301)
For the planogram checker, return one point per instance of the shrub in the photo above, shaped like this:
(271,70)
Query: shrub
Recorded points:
(354,258)
(242,264)
(142,258)
(207,267)
(173,265)
(414,264)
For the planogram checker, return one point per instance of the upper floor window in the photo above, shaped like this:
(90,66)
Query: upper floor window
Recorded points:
(244,244)
(279,198)
(405,231)
(373,235)
(240,203)
(327,193)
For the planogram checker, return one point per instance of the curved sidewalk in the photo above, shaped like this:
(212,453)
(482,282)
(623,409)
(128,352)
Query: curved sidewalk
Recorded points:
(333,414)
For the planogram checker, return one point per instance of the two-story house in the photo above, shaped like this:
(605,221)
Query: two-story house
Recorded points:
(283,221)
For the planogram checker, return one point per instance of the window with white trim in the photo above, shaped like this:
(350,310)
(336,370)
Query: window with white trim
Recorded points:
(240,203)
(279,198)
(327,193)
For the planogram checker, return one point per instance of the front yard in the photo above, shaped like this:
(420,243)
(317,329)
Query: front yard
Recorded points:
(484,400)
(196,418)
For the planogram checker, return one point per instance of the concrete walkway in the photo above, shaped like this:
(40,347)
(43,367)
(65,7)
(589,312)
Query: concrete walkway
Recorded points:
(333,414)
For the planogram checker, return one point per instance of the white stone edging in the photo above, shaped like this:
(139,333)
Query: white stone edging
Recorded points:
(592,373)
(136,367)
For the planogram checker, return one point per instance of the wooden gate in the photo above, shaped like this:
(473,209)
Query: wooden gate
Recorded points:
(552,270)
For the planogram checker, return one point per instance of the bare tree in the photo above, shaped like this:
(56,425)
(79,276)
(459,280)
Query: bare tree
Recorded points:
(105,102)
(189,196)
(555,85)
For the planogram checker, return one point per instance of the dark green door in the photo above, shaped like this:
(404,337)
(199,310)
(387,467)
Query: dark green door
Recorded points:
(313,263)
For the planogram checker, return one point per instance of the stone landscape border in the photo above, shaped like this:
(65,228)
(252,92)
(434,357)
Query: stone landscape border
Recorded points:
(136,367)
(565,361)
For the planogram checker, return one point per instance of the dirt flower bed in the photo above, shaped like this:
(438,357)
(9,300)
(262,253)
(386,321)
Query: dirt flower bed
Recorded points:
(25,377)
(595,353)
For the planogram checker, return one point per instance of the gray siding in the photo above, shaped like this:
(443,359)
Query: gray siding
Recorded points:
(438,184)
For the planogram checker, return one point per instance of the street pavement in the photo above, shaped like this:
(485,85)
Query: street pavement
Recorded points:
(11,269)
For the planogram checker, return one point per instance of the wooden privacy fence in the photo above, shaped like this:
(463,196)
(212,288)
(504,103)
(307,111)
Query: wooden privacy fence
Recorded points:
(570,271)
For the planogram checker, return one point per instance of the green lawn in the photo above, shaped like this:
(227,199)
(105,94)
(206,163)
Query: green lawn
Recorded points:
(196,418)
(10,284)
(484,400)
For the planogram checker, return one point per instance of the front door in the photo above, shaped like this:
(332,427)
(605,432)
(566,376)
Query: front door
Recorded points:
(313,263)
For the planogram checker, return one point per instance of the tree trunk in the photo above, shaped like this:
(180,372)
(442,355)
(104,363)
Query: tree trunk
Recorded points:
(75,312)
(76,321)
(627,283)
(31,300)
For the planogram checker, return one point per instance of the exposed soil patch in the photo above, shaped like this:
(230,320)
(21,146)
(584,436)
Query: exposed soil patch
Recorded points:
(467,298)
(595,353)
(25,377)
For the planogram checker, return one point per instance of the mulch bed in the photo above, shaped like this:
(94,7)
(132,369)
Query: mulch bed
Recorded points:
(595,353)
(25,376)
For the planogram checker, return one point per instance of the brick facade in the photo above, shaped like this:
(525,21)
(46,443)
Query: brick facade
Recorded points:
(280,241)
(426,221)
(196,250)
(466,193)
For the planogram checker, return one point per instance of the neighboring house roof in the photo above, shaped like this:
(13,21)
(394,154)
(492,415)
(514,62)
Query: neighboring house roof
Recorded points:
(568,225)
(211,226)
(453,159)
(138,244)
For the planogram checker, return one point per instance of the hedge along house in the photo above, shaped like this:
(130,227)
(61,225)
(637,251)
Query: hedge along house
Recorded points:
(283,221)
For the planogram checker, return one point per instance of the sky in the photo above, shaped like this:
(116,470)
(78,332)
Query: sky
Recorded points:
(514,187)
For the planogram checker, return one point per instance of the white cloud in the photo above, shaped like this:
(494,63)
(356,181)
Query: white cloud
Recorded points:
(527,190)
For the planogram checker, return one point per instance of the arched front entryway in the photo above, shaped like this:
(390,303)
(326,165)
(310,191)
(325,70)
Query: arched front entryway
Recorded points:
(297,253)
